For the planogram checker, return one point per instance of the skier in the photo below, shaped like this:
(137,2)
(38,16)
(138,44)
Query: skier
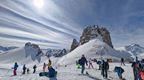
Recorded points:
(24,69)
(15,68)
(34,68)
(105,67)
(122,61)
(136,70)
(100,64)
(119,71)
(28,70)
(90,64)
(49,63)
(82,62)
(44,66)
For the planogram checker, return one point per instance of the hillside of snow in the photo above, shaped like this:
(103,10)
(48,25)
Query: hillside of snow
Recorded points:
(93,49)
(21,55)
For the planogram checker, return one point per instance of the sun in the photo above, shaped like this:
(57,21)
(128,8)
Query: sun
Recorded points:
(38,3)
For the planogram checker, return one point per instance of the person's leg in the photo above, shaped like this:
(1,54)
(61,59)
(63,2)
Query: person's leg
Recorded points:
(82,69)
(103,73)
(106,75)
(15,72)
(92,65)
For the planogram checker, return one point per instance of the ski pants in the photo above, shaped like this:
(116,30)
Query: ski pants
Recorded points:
(14,72)
(82,69)
(104,73)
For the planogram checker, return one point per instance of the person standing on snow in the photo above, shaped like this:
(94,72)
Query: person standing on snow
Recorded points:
(82,62)
(15,69)
(44,67)
(105,67)
(90,64)
(28,70)
(122,61)
(34,68)
(49,63)
(136,70)
(24,69)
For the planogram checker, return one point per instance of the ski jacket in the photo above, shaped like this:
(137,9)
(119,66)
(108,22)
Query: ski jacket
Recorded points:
(82,61)
(15,66)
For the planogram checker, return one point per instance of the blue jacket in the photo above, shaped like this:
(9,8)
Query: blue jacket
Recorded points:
(119,70)
(15,66)
(52,72)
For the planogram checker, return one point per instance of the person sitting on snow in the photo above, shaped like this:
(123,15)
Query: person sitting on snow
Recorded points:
(51,72)
(119,71)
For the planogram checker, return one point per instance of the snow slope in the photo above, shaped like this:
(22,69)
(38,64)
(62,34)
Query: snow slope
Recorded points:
(92,49)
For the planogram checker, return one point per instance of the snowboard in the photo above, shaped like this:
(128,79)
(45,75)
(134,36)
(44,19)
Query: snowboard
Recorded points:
(46,74)
(43,74)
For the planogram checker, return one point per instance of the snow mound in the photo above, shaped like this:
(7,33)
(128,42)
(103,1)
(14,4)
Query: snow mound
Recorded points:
(92,49)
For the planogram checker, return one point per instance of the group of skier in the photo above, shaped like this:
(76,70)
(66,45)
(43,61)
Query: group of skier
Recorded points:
(138,69)
(50,72)
(103,66)
(25,69)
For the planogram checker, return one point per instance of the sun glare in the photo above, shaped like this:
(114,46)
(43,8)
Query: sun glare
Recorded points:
(38,3)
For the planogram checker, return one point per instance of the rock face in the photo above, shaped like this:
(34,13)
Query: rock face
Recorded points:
(34,51)
(92,32)
(74,45)
(56,52)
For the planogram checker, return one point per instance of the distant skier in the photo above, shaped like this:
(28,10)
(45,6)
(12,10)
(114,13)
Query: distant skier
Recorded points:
(44,67)
(90,65)
(82,62)
(15,69)
(28,70)
(122,61)
(24,69)
(105,67)
(34,68)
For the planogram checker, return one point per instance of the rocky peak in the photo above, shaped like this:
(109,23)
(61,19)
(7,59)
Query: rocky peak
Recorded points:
(92,32)
(75,44)
(33,51)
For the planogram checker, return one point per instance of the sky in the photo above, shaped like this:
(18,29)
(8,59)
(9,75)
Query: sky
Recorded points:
(54,23)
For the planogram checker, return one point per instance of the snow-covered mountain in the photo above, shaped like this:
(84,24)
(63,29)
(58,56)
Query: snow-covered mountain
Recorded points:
(93,49)
(28,53)
(133,49)
(6,49)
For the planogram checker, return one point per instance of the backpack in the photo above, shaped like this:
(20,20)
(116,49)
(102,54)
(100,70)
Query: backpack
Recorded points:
(80,61)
